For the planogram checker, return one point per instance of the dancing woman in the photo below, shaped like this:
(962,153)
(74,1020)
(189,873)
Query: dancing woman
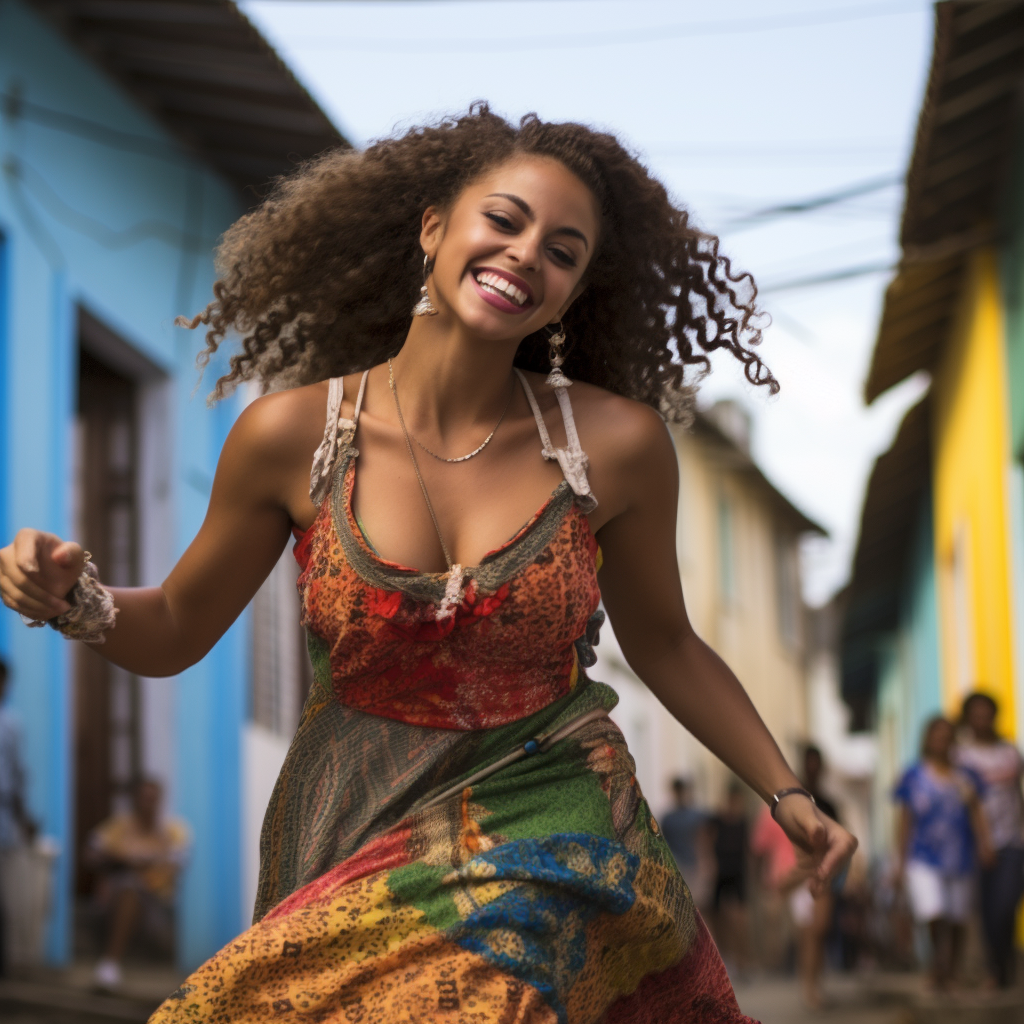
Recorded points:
(456,834)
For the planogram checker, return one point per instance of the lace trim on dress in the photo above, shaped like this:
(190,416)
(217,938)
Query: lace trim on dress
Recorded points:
(339,432)
(572,458)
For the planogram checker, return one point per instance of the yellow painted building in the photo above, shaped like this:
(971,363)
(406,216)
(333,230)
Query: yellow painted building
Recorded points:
(970,481)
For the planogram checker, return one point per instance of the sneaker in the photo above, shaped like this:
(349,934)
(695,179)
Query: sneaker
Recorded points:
(107,974)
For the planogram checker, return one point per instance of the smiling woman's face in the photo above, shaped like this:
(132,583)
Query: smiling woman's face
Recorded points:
(510,254)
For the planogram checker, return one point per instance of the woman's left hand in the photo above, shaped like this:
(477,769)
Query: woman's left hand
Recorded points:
(823,846)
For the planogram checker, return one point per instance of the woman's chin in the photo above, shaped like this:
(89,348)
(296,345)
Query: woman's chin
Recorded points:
(489,329)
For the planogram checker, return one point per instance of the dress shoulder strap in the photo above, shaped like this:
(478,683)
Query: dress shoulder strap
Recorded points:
(338,434)
(572,458)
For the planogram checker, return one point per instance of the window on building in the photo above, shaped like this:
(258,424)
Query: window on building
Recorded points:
(281,673)
(787,590)
(726,550)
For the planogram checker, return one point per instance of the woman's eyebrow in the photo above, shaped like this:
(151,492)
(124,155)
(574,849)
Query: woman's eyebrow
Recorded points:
(528,210)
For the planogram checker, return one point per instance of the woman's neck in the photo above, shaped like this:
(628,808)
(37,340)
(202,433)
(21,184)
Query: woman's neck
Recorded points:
(448,379)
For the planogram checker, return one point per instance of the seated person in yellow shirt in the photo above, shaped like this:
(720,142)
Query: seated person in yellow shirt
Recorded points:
(137,856)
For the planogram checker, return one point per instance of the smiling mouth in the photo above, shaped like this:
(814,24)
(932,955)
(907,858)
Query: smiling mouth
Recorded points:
(497,284)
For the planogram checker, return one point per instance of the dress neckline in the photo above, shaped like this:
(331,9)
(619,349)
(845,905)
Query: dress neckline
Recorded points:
(355,530)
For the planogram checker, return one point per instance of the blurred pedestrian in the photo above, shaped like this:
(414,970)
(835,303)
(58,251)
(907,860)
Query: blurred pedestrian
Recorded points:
(16,827)
(941,830)
(686,831)
(813,913)
(138,856)
(730,832)
(776,865)
(1001,884)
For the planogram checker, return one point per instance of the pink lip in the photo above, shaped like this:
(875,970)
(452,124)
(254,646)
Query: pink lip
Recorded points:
(499,301)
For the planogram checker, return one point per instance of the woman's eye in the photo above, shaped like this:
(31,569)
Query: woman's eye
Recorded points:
(565,258)
(501,221)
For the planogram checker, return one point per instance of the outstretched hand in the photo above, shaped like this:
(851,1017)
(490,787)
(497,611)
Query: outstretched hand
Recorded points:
(823,846)
(37,571)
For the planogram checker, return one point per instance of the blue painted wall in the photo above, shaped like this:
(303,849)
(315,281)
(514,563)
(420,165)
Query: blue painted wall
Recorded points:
(90,220)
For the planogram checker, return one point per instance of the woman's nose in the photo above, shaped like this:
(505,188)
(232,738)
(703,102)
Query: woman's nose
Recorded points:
(526,252)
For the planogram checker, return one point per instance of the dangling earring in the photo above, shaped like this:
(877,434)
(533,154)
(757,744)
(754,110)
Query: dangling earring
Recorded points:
(556,339)
(424,307)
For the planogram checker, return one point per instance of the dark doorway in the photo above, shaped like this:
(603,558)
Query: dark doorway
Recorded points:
(107,734)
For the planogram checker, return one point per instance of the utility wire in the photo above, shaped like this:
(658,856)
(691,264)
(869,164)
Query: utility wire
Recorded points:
(582,40)
(16,106)
(110,238)
(845,274)
(813,203)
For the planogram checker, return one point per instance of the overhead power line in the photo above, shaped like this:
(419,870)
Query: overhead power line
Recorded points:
(15,106)
(582,40)
(813,203)
(845,274)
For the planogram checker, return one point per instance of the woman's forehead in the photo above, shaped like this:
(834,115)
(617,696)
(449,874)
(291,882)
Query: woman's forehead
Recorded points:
(546,184)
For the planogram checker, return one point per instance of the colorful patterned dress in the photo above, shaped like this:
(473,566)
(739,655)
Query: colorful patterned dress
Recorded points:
(457,834)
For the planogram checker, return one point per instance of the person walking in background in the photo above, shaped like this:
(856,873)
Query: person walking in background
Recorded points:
(941,828)
(1000,767)
(812,914)
(776,868)
(16,827)
(730,833)
(138,856)
(685,829)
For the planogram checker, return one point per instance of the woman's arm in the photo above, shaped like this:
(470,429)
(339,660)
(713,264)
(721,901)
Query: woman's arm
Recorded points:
(904,828)
(980,828)
(642,592)
(162,630)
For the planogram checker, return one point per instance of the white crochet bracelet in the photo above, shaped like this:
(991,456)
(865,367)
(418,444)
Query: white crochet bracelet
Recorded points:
(92,610)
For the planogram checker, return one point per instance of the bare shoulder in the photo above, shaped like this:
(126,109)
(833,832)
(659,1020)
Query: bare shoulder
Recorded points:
(613,430)
(281,424)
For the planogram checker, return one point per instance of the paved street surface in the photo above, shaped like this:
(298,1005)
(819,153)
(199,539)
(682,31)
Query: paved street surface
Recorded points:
(66,998)
(876,999)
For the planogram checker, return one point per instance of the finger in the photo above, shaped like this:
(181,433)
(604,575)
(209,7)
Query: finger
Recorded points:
(33,590)
(26,606)
(69,555)
(838,853)
(26,550)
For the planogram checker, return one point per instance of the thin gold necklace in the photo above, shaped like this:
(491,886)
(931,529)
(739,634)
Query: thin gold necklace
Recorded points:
(416,467)
(476,451)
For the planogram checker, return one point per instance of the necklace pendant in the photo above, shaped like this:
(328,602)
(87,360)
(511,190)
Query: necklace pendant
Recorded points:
(452,592)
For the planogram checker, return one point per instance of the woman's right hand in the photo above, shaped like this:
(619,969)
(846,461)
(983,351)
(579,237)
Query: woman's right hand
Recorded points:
(37,571)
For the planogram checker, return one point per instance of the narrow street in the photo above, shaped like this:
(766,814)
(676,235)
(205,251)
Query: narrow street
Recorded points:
(881,998)
(875,999)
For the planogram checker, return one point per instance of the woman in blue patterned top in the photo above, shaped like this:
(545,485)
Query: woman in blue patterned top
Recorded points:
(941,831)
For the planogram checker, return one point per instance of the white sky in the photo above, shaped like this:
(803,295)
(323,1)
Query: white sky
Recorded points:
(736,105)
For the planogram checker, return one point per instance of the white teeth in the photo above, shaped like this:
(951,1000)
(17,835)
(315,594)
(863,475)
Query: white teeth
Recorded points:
(500,286)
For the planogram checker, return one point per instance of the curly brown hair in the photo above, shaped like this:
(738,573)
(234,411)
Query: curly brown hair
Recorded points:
(320,279)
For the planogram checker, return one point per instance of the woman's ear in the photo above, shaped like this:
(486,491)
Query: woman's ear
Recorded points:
(431,230)
(573,296)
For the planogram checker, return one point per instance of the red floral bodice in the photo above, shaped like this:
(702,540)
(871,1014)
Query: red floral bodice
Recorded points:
(506,641)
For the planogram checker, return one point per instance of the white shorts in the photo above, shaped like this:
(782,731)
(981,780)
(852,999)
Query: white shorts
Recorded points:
(801,906)
(934,895)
